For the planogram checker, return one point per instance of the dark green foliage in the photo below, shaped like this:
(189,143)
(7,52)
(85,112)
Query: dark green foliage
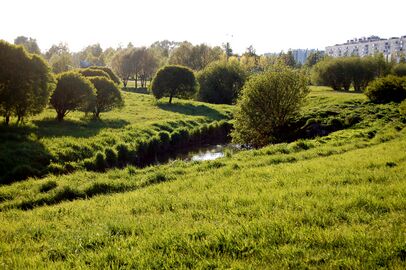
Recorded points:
(267,104)
(221,82)
(399,69)
(100,163)
(22,172)
(110,72)
(72,92)
(108,95)
(340,73)
(174,81)
(387,89)
(123,154)
(26,82)
(111,157)
(91,72)
(47,186)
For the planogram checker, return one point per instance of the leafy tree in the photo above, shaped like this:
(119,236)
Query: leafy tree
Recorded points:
(108,95)
(109,72)
(314,58)
(387,89)
(122,64)
(195,57)
(72,92)
(60,49)
(228,50)
(220,82)
(268,102)
(25,82)
(399,69)
(92,55)
(90,72)
(287,59)
(174,81)
(29,44)
(61,62)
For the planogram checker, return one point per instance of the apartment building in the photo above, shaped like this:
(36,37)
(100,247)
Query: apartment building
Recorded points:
(392,48)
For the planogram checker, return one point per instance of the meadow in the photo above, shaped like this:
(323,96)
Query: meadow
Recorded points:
(44,145)
(335,202)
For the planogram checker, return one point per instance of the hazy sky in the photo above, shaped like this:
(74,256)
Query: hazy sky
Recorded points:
(270,26)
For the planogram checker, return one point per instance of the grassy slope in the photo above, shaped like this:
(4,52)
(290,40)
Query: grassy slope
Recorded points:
(78,138)
(329,202)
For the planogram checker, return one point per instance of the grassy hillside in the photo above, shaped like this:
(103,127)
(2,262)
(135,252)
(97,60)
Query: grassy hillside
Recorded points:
(337,201)
(45,145)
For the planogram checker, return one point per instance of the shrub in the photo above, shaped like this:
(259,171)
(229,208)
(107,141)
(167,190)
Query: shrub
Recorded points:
(73,92)
(387,89)
(48,186)
(268,103)
(174,81)
(123,154)
(108,95)
(100,162)
(110,72)
(221,82)
(111,157)
(399,69)
(90,72)
(402,107)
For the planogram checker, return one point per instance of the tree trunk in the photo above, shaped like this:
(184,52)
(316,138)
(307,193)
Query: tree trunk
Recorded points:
(7,119)
(170,99)
(136,81)
(60,116)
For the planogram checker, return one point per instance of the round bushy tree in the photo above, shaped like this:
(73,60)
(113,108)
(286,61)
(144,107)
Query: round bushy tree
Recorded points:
(267,103)
(387,89)
(26,82)
(220,82)
(110,72)
(108,95)
(89,72)
(174,81)
(72,92)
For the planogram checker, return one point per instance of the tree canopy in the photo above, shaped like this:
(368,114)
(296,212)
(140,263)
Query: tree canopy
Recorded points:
(72,92)
(108,95)
(267,103)
(220,82)
(174,81)
(26,82)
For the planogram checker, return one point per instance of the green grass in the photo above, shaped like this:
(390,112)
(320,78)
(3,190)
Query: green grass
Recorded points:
(332,202)
(45,145)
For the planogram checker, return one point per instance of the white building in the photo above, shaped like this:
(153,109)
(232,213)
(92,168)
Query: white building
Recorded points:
(392,48)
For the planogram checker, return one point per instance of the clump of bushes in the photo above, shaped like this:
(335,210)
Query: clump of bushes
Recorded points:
(387,89)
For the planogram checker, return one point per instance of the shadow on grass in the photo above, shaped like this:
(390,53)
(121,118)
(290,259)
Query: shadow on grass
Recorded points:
(195,110)
(21,155)
(79,129)
(136,90)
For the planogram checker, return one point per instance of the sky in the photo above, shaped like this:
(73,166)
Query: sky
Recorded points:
(270,26)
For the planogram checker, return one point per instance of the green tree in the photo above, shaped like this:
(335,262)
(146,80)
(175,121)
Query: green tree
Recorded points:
(61,62)
(25,82)
(268,102)
(72,92)
(220,82)
(108,95)
(30,44)
(174,81)
(314,58)
(287,59)
(399,69)
(90,72)
(387,89)
(110,72)
(195,57)
(122,64)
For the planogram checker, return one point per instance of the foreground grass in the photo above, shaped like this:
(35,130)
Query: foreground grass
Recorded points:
(337,201)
